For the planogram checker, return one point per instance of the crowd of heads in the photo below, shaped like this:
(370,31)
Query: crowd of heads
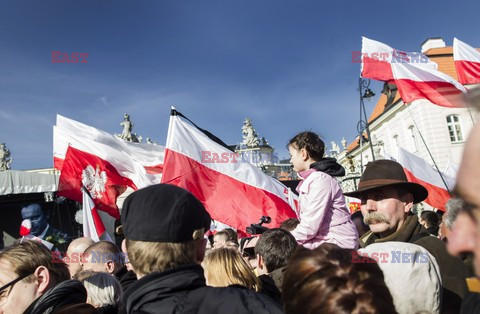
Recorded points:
(35,276)
(174,260)
(323,280)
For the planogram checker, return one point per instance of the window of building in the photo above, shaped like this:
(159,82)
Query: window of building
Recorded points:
(454,128)
(413,137)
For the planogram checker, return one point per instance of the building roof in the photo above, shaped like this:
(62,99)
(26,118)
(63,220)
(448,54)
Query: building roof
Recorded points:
(380,107)
(442,56)
(21,182)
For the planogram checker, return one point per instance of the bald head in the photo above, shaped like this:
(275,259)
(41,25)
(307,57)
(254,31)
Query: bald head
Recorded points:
(79,245)
(75,249)
(110,257)
(103,247)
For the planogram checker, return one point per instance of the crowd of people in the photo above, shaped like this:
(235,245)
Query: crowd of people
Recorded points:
(384,258)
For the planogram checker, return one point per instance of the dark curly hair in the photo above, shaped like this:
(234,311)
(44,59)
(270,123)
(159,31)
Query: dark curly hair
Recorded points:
(325,280)
(311,142)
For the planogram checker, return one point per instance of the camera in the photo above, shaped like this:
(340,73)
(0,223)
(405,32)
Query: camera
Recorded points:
(258,228)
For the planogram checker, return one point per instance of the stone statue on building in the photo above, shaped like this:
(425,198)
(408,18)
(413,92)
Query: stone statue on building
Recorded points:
(350,181)
(136,138)
(352,164)
(250,136)
(127,134)
(5,159)
(378,149)
(335,149)
(344,143)
(127,128)
(149,141)
(264,142)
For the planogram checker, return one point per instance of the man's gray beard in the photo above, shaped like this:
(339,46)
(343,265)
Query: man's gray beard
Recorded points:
(375,217)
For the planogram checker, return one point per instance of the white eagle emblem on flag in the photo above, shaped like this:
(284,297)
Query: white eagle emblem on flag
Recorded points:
(94,181)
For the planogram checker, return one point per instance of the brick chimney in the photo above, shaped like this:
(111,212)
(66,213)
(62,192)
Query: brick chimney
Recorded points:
(434,42)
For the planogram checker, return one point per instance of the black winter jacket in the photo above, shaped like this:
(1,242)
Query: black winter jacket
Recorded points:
(183,290)
(67,294)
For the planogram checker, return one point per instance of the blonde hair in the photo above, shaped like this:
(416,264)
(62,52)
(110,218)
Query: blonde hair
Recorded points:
(102,288)
(224,267)
(149,257)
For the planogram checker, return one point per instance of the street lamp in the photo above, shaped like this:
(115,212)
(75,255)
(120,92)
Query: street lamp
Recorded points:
(365,93)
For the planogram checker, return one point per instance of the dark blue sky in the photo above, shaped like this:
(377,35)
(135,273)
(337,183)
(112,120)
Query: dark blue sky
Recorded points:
(285,64)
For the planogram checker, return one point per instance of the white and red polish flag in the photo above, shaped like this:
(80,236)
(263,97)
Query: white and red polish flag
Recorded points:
(418,170)
(141,162)
(377,58)
(25,227)
(104,183)
(93,226)
(467,62)
(235,193)
(415,83)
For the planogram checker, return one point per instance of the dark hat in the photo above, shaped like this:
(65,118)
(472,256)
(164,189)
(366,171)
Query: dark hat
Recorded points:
(164,213)
(385,173)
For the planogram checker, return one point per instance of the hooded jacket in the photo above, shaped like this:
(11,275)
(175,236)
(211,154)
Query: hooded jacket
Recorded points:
(452,270)
(329,166)
(127,279)
(323,214)
(183,290)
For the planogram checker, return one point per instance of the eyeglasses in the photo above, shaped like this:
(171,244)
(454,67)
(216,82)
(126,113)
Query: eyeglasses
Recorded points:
(11,284)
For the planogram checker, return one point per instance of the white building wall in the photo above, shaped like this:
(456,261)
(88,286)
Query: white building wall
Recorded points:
(427,119)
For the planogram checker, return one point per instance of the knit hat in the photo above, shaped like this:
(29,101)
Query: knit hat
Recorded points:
(164,213)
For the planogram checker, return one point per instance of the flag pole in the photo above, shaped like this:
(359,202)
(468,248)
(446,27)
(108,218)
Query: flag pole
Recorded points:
(428,150)
(363,85)
(83,188)
(92,221)
(471,116)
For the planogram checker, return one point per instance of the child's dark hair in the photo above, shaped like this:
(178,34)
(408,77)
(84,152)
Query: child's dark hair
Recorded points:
(312,143)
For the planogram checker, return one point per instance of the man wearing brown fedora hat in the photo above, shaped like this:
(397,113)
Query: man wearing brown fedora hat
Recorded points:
(387,199)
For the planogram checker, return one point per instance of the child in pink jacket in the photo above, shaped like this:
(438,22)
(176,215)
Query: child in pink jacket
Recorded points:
(323,215)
